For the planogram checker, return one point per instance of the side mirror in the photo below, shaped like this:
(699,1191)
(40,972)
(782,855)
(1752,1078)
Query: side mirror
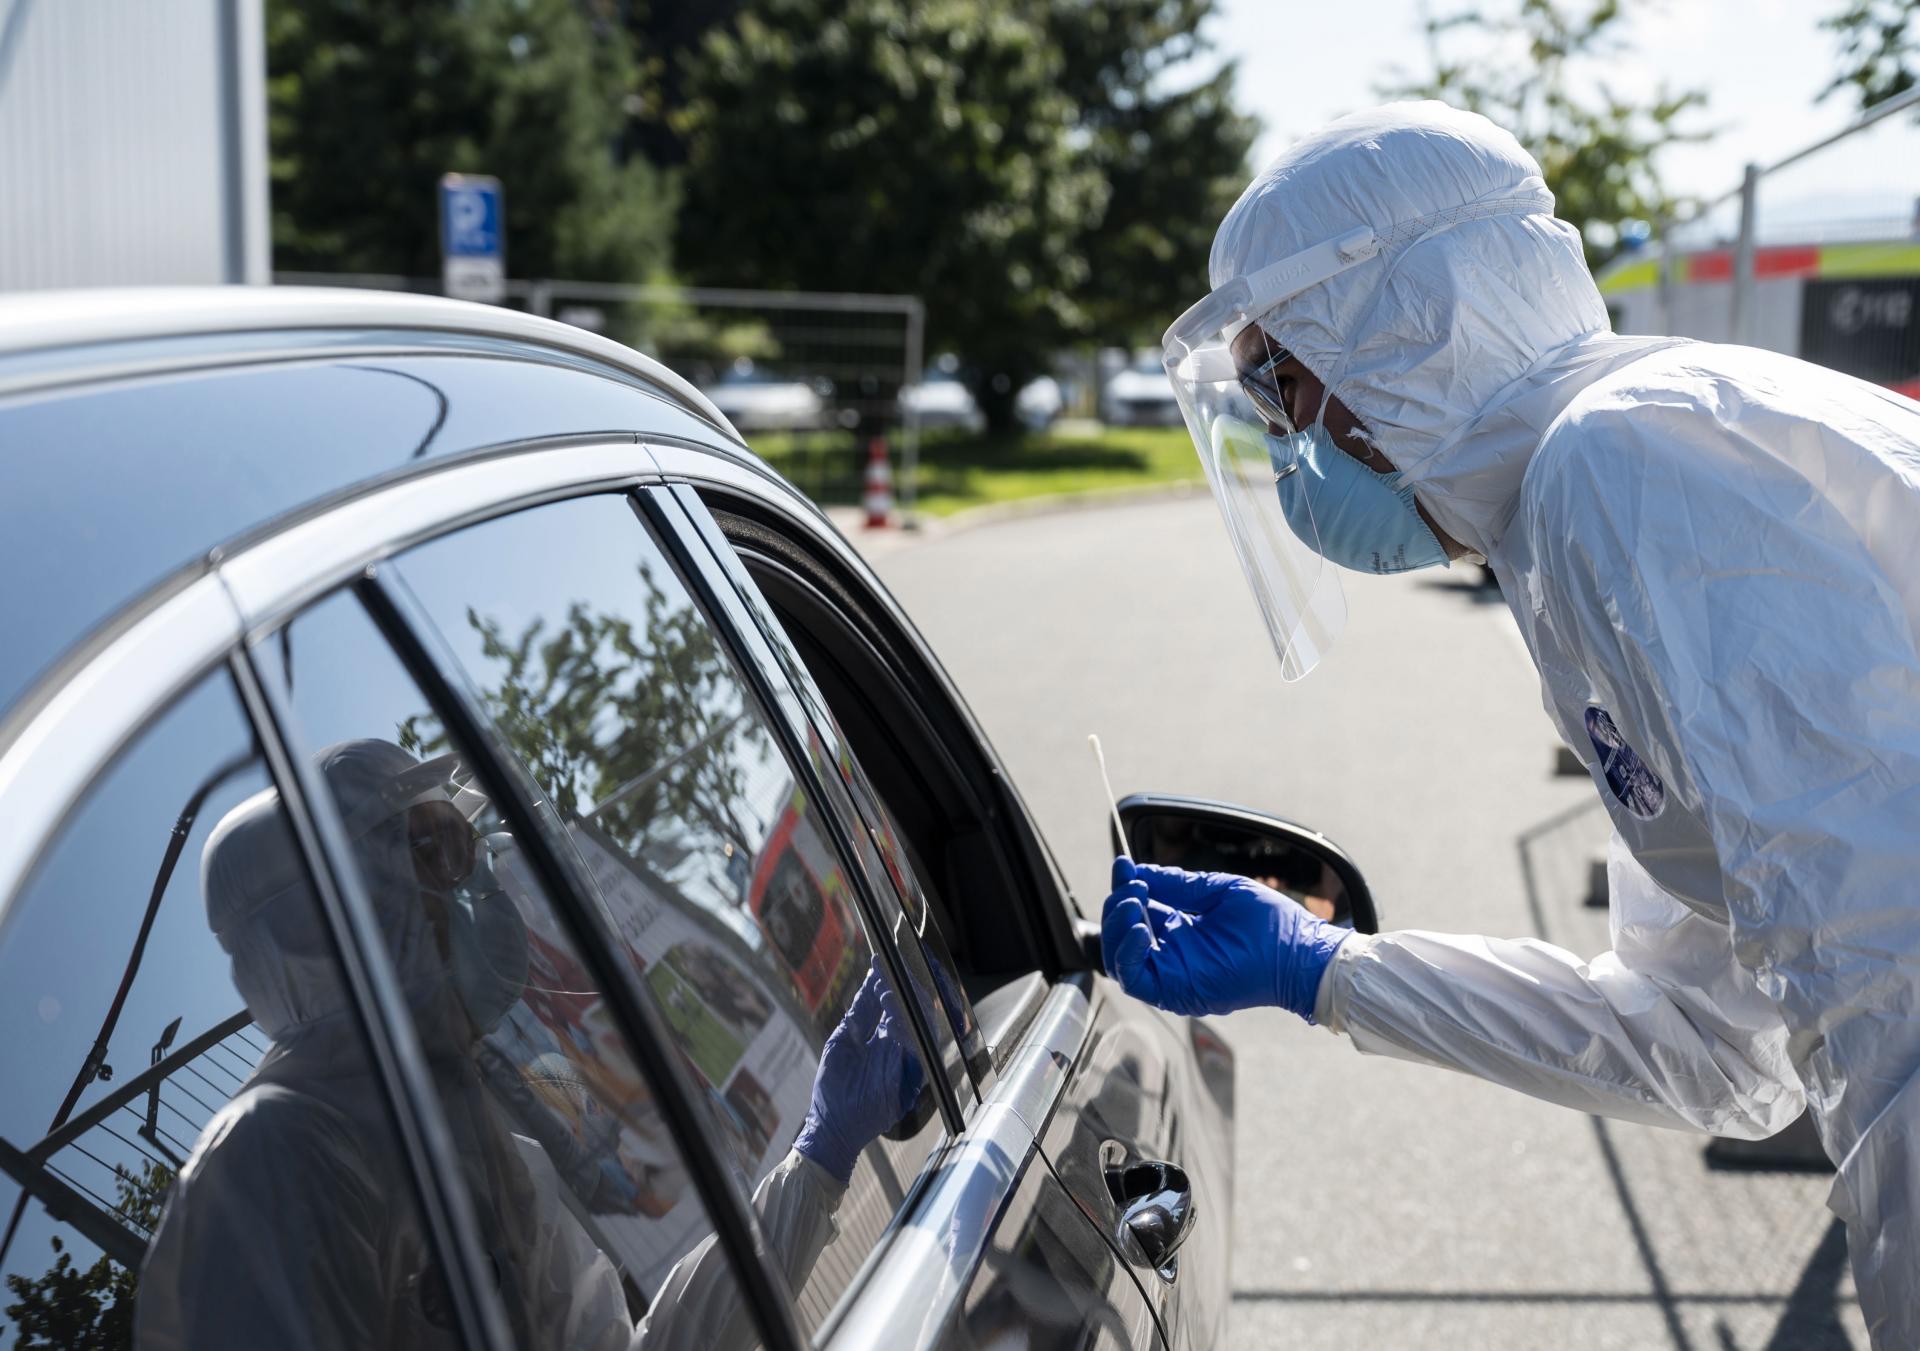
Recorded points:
(1203,836)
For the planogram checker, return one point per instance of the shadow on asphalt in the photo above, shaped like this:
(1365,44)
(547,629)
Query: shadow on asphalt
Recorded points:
(1559,847)
(1468,581)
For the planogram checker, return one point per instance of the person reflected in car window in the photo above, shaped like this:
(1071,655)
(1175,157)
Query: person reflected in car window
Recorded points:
(286,1229)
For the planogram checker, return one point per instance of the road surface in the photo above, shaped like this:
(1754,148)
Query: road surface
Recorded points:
(1378,1204)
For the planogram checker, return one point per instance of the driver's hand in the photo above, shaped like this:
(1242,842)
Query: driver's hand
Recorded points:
(1196,943)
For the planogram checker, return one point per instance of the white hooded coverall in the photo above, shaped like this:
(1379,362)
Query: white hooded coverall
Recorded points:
(293,1224)
(1713,554)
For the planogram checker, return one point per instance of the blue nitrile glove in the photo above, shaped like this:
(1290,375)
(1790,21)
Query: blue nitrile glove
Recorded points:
(1198,943)
(869,1077)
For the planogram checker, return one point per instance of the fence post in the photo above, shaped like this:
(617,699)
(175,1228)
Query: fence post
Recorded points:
(910,417)
(1743,288)
(1663,233)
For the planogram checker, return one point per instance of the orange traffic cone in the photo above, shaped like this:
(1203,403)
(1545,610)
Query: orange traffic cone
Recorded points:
(878,498)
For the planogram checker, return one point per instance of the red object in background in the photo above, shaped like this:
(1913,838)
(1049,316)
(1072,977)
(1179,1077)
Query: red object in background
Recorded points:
(1796,261)
(1909,387)
(805,920)
(879,487)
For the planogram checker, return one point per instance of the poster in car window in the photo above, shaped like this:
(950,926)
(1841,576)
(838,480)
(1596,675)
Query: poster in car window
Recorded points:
(749,995)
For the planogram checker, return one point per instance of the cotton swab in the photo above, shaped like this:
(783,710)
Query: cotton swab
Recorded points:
(1113,803)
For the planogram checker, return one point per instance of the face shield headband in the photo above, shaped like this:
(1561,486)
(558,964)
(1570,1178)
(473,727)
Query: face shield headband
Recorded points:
(1225,407)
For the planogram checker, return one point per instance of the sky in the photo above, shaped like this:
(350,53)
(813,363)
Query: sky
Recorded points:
(1762,64)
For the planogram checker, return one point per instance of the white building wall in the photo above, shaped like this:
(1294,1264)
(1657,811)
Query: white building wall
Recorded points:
(132,143)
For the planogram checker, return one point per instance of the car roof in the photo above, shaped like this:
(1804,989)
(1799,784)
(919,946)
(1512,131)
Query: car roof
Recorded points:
(49,320)
(146,433)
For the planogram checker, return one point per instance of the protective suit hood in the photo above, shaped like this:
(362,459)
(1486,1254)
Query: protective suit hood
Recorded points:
(1449,321)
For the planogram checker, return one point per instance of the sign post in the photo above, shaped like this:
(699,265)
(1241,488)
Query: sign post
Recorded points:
(473,244)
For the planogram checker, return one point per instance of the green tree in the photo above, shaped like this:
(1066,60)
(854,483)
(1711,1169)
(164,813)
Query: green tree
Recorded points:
(369,103)
(637,725)
(1172,150)
(70,1308)
(1879,49)
(889,145)
(1526,67)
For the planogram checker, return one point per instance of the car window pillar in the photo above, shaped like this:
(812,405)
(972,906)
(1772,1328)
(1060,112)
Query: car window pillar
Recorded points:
(679,533)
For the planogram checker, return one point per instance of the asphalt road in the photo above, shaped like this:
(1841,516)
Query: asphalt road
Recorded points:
(1379,1204)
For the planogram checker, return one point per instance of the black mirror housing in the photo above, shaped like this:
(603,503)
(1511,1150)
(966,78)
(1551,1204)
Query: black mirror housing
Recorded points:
(1204,836)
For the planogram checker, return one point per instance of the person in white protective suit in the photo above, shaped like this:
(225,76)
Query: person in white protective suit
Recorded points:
(1713,554)
(293,1223)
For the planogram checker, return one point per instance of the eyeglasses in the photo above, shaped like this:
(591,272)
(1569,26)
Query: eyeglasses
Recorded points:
(1262,389)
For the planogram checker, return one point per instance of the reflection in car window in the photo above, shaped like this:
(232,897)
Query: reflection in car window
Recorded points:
(188,1086)
(710,856)
(581,1197)
(883,841)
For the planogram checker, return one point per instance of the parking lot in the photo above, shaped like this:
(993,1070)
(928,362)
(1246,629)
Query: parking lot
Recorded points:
(1379,1204)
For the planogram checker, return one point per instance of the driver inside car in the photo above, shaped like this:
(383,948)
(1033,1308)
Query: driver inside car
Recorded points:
(293,1225)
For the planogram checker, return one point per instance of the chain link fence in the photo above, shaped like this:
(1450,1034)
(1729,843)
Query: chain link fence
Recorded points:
(810,378)
(1816,255)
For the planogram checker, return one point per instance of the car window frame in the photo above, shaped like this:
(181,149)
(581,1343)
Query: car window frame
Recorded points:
(447,686)
(167,641)
(127,674)
(1020,843)
(852,799)
(1060,937)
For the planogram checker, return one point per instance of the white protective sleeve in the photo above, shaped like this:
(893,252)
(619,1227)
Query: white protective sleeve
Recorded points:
(1665,1029)
(699,1304)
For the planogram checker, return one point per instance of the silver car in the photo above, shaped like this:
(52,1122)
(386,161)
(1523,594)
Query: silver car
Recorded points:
(487,864)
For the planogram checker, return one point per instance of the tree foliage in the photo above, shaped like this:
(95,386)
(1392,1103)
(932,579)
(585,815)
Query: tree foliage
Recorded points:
(369,103)
(71,1308)
(1532,68)
(1017,167)
(637,725)
(1173,154)
(1879,49)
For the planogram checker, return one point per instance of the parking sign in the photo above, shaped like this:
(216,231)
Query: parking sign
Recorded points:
(473,245)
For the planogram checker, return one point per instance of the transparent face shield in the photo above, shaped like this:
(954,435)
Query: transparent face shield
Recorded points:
(1223,382)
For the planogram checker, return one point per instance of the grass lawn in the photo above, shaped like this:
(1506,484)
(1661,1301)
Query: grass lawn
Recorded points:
(958,471)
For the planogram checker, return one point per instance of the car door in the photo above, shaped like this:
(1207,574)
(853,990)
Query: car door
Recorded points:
(1147,1088)
(1038,1049)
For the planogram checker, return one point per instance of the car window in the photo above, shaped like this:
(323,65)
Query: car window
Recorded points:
(879,834)
(188,1087)
(710,852)
(581,1196)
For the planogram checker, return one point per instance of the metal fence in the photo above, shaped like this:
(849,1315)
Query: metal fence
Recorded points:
(809,377)
(1816,255)
(107,1171)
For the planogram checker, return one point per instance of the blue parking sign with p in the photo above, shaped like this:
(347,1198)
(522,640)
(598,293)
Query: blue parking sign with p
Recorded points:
(470,215)
(472,238)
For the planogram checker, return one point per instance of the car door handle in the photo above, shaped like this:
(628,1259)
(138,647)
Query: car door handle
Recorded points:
(1157,1211)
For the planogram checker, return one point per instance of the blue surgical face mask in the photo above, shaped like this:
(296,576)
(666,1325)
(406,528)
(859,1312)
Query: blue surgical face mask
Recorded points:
(1347,513)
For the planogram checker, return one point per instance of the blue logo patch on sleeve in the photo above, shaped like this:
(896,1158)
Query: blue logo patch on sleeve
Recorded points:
(1638,788)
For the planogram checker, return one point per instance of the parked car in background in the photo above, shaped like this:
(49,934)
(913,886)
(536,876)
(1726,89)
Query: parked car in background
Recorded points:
(757,400)
(1039,402)
(1140,395)
(486,859)
(942,400)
